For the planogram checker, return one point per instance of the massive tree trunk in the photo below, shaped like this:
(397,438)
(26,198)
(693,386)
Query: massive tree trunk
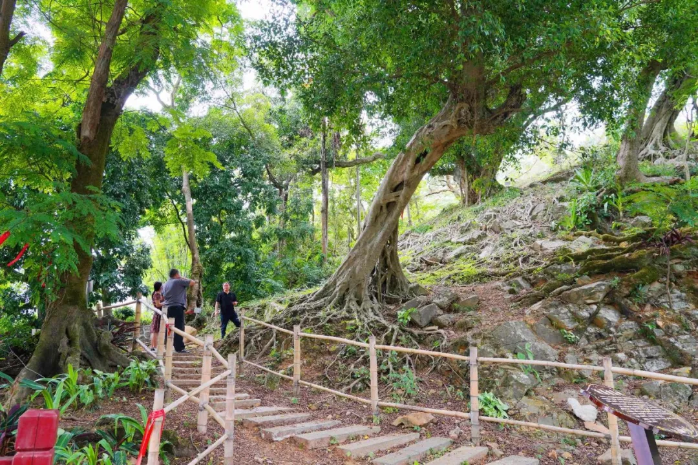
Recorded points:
(659,127)
(375,252)
(194,293)
(630,143)
(7,11)
(68,333)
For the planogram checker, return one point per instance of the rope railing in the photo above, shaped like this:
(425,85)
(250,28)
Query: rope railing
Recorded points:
(474,360)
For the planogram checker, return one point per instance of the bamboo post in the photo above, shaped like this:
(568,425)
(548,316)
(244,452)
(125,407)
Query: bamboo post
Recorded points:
(154,444)
(474,399)
(230,413)
(612,419)
(168,357)
(137,322)
(241,349)
(161,334)
(373,364)
(296,360)
(202,420)
(99,310)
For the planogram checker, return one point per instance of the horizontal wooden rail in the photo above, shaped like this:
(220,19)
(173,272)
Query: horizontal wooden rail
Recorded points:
(267,325)
(193,392)
(544,363)
(123,304)
(341,340)
(268,370)
(146,349)
(185,335)
(423,352)
(150,307)
(652,375)
(219,357)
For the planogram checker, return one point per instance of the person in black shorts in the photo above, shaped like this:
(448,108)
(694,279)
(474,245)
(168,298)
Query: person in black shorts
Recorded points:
(225,304)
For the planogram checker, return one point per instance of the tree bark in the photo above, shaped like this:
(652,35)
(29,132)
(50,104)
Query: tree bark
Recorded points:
(461,115)
(659,127)
(194,293)
(325,189)
(68,332)
(358,200)
(628,153)
(7,11)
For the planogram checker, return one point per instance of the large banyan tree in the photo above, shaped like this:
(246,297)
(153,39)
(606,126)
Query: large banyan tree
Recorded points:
(479,63)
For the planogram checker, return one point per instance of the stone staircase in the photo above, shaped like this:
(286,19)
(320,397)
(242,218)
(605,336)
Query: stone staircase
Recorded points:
(354,441)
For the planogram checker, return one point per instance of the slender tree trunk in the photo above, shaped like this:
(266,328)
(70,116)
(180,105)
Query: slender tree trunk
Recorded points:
(462,175)
(283,195)
(68,333)
(7,11)
(358,200)
(659,127)
(194,293)
(689,135)
(630,143)
(409,214)
(325,189)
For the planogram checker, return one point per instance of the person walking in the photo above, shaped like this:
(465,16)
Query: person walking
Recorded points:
(175,293)
(225,304)
(158,299)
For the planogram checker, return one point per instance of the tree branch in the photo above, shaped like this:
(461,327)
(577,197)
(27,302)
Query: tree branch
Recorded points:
(351,163)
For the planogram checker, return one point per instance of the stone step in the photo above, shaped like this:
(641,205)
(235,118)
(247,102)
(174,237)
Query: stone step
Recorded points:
(415,452)
(177,363)
(516,460)
(239,403)
(467,454)
(279,433)
(241,414)
(370,446)
(275,420)
(318,439)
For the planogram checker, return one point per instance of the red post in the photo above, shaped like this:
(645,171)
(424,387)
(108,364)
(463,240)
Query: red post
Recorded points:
(36,437)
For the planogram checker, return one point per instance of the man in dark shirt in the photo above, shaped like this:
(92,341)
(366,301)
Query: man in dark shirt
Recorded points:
(175,293)
(225,303)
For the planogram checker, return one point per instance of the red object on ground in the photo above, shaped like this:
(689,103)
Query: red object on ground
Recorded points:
(19,255)
(4,237)
(149,425)
(36,438)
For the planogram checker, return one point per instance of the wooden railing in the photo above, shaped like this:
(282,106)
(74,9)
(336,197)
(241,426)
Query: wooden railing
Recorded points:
(474,362)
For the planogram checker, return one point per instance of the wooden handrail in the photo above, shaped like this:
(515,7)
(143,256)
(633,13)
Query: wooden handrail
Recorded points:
(150,307)
(196,400)
(194,392)
(267,325)
(124,304)
(193,339)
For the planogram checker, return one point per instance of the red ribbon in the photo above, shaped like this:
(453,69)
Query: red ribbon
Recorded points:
(4,237)
(149,425)
(168,328)
(19,255)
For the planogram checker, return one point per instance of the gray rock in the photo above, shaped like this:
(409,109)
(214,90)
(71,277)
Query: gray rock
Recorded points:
(656,364)
(545,330)
(423,316)
(471,237)
(571,359)
(676,394)
(417,302)
(444,297)
(548,246)
(583,412)
(628,327)
(515,385)
(641,222)
(538,211)
(488,251)
(444,321)
(583,243)
(470,301)
(626,457)
(590,293)
(513,336)
(562,318)
(418,289)
(684,346)
(514,286)
(509,225)
(457,253)
(564,269)
(539,410)
(679,301)
(651,388)
(606,317)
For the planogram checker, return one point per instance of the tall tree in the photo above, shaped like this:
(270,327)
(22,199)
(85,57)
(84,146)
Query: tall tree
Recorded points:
(7,11)
(480,63)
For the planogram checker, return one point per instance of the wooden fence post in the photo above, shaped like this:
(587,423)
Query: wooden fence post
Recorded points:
(612,419)
(241,349)
(296,360)
(373,365)
(154,444)
(99,310)
(202,421)
(474,399)
(137,322)
(230,412)
(161,334)
(168,358)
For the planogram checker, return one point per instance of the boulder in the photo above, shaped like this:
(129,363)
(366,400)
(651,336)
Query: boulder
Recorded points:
(471,237)
(457,253)
(538,211)
(584,243)
(467,323)
(548,246)
(562,318)
(606,317)
(641,222)
(470,301)
(651,388)
(514,336)
(539,410)
(586,413)
(191,330)
(561,270)
(414,419)
(545,330)
(676,394)
(590,293)
(515,385)
(444,321)
(418,290)
(423,316)
(417,302)
(488,251)
(626,457)
(444,297)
